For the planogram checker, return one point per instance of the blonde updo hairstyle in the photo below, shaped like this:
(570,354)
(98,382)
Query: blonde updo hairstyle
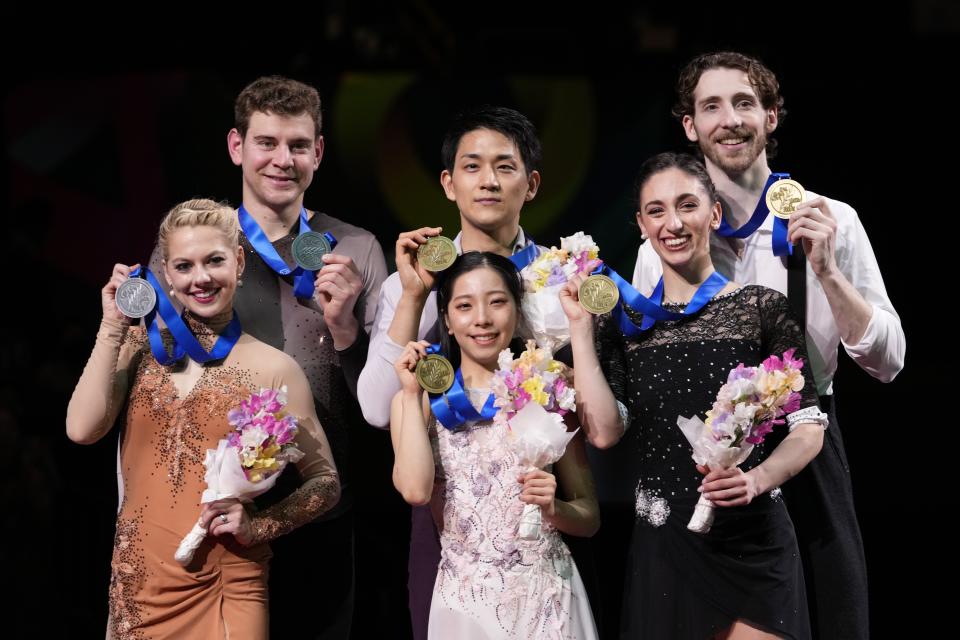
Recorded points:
(201,212)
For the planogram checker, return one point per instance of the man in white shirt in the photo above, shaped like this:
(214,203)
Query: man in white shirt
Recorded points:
(729,105)
(490,159)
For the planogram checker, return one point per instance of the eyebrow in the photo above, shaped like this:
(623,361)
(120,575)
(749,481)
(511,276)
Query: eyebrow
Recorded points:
(492,292)
(476,156)
(740,95)
(265,137)
(680,197)
(213,253)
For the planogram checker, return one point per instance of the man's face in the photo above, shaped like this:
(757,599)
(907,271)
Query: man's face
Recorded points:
(729,123)
(489,181)
(278,155)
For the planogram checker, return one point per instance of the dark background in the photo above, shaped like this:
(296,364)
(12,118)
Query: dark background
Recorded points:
(104,130)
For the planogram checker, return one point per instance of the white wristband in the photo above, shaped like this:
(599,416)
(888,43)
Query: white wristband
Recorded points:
(810,414)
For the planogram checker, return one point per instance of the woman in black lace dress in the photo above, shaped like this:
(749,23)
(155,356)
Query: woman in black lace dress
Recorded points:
(742,579)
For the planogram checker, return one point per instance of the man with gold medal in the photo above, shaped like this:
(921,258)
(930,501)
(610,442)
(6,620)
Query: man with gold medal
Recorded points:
(491,158)
(815,250)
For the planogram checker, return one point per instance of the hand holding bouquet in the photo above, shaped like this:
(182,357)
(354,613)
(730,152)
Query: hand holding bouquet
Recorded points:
(533,394)
(248,461)
(747,407)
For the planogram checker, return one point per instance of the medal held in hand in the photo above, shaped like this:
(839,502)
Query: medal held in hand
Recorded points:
(309,248)
(598,294)
(437,254)
(135,298)
(434,373)
(784,196)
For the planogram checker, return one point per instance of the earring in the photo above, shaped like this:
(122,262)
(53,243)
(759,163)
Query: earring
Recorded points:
(643,236)
(172,292)
(239,281)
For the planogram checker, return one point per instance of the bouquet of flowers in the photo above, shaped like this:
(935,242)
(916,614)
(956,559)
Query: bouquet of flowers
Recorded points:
(248,461)
(746,409)
(544,319)
(533,393)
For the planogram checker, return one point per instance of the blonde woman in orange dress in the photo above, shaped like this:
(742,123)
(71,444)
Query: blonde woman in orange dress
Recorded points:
(173,414)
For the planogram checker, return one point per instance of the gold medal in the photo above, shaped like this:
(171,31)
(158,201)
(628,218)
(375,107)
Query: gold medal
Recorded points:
(434,373)
(598,294)
(437,254)
(784,196)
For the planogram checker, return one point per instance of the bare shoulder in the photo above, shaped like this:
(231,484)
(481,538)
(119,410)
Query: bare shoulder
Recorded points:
(266,360)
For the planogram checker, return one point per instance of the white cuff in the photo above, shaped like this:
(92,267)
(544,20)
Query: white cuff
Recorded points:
(810,414)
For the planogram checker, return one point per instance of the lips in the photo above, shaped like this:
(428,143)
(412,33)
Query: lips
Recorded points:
(484,339)
(205,296)
(675,243)
(733,140)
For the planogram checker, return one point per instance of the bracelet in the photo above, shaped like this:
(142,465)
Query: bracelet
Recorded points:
(810,414)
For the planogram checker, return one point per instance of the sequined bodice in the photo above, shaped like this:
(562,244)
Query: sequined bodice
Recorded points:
(675,369)
(476,484)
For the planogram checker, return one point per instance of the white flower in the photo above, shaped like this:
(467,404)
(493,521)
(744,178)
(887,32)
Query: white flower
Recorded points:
(578,242)
(568,399)
(252,437)
(505,359)
(744,412)
(736,389)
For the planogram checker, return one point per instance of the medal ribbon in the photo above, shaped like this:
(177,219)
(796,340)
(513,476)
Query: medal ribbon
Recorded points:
(452,407)
(780,245)
(302,279)
(184,342)
(650,307)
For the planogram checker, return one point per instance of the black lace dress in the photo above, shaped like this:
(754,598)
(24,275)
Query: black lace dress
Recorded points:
(681,584)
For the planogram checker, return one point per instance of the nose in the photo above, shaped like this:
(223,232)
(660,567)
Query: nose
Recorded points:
(202,276)
(730,118)
(490,180)
(673,221)
(483,316)
(282,156)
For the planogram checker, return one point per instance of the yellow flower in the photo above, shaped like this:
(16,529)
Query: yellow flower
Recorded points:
(534,386)
(264,463)
(556,366)
(271,451)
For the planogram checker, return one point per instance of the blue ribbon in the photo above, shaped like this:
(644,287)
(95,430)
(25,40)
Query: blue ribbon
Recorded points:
(184,342)
(704,294)
(650,307)
(453,407)
(302,279)
(780,245)
(150,320)
(526,255)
